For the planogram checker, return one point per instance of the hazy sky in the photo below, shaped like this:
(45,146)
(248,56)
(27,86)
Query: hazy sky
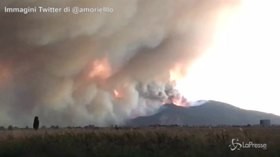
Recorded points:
(242,67)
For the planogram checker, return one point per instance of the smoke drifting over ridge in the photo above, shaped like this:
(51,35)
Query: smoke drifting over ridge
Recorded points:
(67,68)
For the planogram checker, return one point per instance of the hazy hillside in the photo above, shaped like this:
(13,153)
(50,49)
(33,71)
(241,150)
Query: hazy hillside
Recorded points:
(210,113)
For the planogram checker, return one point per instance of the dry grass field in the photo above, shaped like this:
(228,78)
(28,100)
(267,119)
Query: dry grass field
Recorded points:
(138,142)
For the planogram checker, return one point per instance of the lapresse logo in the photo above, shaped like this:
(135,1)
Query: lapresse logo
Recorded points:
(238,145)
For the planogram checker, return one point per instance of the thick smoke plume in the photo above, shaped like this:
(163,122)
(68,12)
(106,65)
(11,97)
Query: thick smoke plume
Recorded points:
(96,68)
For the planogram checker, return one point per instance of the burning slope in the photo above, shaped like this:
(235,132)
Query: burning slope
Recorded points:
(214,114)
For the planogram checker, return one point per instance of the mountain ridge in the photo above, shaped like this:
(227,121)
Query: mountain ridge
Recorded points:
(209,113)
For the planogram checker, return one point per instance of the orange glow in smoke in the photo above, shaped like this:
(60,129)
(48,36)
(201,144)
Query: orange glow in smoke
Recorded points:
(176,73)
(177,77)
(101,69)
(117,94)
(4,75)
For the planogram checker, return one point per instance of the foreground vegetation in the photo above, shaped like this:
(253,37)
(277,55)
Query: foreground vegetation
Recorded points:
(137,142)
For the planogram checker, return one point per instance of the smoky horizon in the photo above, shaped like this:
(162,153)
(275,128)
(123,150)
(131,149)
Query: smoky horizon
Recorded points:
(75,63)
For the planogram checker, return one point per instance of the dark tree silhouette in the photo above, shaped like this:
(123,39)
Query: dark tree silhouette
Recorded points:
(36,123)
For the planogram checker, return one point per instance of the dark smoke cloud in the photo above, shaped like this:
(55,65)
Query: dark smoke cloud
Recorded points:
(45,58)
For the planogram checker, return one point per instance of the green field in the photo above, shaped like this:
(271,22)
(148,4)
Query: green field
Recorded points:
(138,142)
